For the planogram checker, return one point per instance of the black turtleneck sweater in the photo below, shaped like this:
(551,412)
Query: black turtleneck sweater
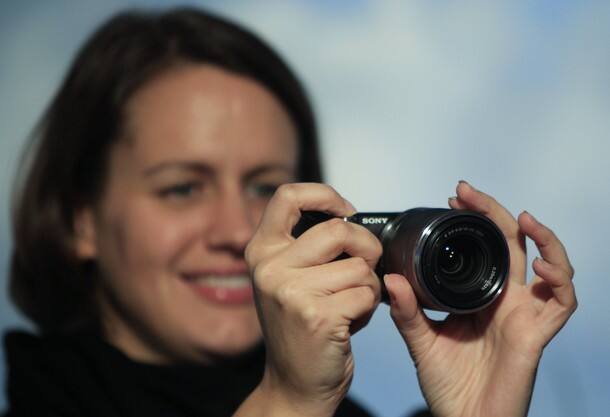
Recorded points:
(81,375)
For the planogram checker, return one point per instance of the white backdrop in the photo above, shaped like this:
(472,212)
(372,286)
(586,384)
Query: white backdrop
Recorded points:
(412,96)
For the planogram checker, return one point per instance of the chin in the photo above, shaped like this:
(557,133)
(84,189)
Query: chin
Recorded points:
(239,349)
(219,353)
(230,342)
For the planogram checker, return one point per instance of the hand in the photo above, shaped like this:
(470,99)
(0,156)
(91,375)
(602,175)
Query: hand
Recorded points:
(484,364)
(309,303)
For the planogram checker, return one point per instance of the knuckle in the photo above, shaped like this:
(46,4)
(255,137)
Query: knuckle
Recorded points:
(571,270)
(338,229)
(368,297)
(330,189)
(312,318)
(376,286)
(359,266)
(251,253)
(287,192)
(377,249)
(568,310)
(288,294)
(574,298)
(263,275)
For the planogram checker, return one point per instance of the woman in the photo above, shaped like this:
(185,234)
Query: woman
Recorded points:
(153,168)
(153,165)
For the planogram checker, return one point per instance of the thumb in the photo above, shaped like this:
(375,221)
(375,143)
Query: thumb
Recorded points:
(416,329)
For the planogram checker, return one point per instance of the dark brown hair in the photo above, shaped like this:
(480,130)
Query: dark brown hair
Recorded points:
(64,169)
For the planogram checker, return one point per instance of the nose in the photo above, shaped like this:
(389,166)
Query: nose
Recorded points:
(233,223)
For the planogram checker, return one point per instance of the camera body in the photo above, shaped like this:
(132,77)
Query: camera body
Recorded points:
(456,260)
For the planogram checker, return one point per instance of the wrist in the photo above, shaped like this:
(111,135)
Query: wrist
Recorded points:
(270,400)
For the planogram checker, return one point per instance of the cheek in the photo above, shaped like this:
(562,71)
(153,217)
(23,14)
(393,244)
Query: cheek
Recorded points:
(143,238)
(257,209)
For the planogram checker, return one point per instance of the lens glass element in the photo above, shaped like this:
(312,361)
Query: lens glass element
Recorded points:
(460,260)
(451,260)
(461,263)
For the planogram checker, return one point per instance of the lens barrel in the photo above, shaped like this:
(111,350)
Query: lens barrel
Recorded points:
(456,260)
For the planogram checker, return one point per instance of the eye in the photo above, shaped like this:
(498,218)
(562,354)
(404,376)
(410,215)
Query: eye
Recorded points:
(181,191)
(262,190)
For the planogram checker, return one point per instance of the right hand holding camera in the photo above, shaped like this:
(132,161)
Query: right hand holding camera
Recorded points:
(309,302)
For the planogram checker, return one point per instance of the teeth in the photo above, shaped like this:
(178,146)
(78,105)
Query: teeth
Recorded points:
(239,281)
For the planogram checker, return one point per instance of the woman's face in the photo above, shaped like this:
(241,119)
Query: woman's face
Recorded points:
(203,151)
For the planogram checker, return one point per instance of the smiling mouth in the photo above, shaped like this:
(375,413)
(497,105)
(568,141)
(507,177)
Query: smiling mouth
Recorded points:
(222,289)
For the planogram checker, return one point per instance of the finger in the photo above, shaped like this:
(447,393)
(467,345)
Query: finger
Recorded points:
(550,247)
(284,209)
(558,309)
(274,232)
(554,275)
(558,280)
(473,199)
(326,241)
(340,275)
(293,285)
(354,305)
(470,198)
(415,328)
(456,204)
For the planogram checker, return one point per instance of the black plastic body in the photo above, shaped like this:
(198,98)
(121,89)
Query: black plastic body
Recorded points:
(412,243)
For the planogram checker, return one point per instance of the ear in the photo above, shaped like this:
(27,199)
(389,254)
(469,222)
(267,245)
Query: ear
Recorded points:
(85,234)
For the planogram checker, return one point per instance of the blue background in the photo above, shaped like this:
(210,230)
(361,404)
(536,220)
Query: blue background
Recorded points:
(412,96)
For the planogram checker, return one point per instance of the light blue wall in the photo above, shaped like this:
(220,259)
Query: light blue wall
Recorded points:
(412,96)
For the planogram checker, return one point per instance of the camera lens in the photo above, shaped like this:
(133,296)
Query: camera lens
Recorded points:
(461,263)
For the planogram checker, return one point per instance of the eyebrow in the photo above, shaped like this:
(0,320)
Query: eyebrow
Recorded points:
(263,169)
(203,168)
(178,165)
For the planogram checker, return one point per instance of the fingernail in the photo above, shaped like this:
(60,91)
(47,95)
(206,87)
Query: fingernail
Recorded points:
(454,198)
(541,261)
(466,183)
(530,214)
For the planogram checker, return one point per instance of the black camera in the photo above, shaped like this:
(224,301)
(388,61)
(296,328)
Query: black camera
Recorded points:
(456,260)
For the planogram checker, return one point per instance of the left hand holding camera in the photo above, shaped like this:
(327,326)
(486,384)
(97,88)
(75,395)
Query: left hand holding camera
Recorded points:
(484,364)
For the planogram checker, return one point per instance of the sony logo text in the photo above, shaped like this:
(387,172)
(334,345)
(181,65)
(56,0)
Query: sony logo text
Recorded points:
(374,220)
